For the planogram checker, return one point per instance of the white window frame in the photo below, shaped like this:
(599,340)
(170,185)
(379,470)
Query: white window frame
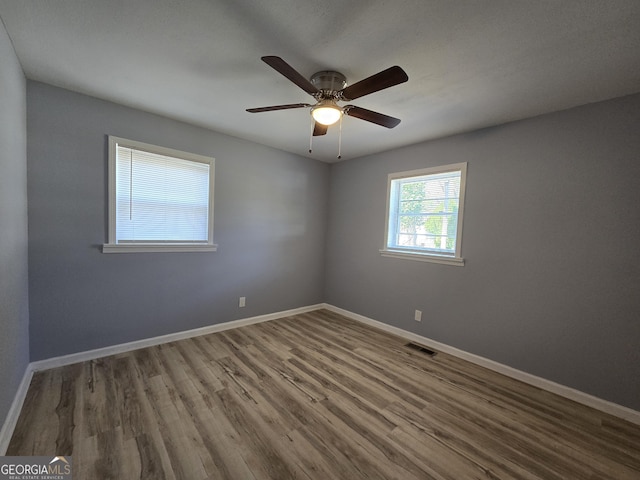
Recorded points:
(389,250)
(113,246)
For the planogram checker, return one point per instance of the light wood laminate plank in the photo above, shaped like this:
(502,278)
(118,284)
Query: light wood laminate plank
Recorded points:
(312,396)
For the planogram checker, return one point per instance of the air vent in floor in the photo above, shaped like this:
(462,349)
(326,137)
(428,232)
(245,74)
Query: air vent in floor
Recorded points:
(420,348)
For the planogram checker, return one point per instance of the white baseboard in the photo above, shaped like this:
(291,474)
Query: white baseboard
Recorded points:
(171,337)
(562,390)
(14,411)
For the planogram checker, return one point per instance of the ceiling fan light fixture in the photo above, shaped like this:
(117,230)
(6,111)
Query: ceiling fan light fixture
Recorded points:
(326,112)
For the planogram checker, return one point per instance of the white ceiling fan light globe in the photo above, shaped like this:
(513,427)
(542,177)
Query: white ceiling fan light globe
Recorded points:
(326,113)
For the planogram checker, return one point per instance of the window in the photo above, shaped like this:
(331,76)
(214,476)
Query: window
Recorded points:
(424,214)
(160,199)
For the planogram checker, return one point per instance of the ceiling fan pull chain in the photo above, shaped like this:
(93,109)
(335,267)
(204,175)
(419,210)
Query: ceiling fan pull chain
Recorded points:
(313,122)
(340,140)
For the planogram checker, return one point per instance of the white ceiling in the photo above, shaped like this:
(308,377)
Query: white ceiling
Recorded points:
(471,63)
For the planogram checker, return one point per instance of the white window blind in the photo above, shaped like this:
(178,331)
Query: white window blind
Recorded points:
(425,211)
(159,197)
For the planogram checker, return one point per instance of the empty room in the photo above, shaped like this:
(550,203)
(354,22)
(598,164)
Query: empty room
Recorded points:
(319,240)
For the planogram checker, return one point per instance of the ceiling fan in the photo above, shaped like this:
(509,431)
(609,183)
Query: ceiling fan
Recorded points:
(329,88)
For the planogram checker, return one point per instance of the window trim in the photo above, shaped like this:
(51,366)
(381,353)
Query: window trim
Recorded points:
(425,256)
(138,247)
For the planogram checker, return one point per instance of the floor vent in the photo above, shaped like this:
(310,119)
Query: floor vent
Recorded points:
(422,349)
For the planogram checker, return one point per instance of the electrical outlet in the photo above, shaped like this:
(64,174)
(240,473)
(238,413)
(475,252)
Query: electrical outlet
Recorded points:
(418,316)
(242,302)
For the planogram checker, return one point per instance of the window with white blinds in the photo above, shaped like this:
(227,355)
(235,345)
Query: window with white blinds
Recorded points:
(159,199)
(424,215)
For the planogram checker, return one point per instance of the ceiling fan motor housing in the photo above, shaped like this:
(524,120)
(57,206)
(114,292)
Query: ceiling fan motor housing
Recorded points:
(328,82)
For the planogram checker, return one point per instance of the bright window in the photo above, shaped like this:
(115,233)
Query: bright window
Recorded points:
(424,214)
(159,199)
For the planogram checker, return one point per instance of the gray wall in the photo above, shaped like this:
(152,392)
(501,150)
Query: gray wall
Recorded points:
(551,284)
(14,294)
(270,224)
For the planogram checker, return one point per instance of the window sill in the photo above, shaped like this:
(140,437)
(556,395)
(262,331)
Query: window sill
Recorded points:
(423,257)
(157,247)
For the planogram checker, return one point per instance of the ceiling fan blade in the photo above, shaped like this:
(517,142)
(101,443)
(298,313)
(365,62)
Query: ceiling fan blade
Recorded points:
(277,107)
(371,116)
(385,79)
(282,67)
(319,129)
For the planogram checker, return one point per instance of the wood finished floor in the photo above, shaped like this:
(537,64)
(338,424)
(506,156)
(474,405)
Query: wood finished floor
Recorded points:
(313,396)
